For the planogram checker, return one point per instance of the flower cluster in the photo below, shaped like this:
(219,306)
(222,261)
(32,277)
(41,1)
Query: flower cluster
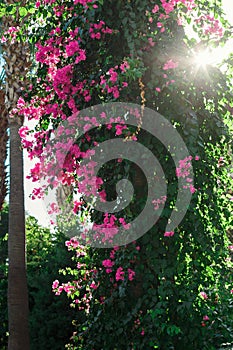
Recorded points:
(210,26)
(183,171)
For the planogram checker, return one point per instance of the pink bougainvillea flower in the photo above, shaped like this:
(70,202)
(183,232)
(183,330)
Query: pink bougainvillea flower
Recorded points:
(131,274)
(155,9)
(192,189)
(170,65)
(77,206)
(120,274)
(203,295)
(72,48)
(206,318)
(55,284)
(107,263)
(93,285)
(169,234)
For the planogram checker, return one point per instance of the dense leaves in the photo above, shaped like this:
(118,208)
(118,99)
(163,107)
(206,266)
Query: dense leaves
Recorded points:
(50,317)
(165,291)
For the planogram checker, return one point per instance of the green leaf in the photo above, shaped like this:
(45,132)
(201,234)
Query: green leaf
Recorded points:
(23,11)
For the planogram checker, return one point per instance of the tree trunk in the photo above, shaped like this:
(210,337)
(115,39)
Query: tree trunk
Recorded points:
(17,62)
(17,281)
(3,143)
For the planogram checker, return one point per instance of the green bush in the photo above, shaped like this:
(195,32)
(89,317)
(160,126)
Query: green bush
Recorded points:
(50,317)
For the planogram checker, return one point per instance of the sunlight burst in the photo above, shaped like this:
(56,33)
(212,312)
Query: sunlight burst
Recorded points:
(211,56)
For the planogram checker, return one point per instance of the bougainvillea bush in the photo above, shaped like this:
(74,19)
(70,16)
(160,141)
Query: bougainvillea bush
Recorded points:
(167,290)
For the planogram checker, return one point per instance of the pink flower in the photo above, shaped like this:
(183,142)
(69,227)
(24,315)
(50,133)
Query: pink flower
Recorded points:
(55,284)
(93,285)
(192,189)
(107,263)
(169,234)
(197,157)
(205,318)
(81,56)
(203,295)
(120,274)
(131,274)
(77,206)
(119,129)
(170,65)
(155,9)
(158,89)
(23,131)
(142,332)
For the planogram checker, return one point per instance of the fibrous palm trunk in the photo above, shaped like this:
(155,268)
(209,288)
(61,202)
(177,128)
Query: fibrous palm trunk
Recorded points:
(16,57)
(3,145)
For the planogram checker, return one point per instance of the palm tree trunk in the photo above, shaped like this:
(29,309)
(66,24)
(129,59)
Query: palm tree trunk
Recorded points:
(16,55)
(17,281)
(3,144)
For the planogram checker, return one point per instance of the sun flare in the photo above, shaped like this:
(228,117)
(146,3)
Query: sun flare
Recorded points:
(211,56)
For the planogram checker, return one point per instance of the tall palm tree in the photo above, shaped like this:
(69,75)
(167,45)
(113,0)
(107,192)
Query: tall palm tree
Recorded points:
(16,66)
(3,146)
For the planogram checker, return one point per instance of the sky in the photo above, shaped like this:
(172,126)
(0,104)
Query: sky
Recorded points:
(37,208)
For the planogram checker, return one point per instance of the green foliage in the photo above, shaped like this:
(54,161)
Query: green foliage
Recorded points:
(50,316)
(162,308)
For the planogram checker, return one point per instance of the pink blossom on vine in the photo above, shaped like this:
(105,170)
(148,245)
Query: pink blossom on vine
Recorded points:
(53,209)
(120,128)
(81,56)
(168,6)
(93,285)
(170,65)
(120,274)
(169,234)
(206,318)
(107,263)
(192,189)
(204,295)
(55,284)
(23,131)
(72,48)
(131,274)
(151,42)
(77,206)
(155,9)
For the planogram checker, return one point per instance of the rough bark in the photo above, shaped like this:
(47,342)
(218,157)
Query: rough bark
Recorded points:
(3,150)
(17,281)
(16,57)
